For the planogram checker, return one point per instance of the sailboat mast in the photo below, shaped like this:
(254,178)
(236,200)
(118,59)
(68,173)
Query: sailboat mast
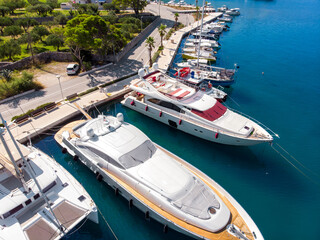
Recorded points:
(56,222)
(18,172)
(200,33)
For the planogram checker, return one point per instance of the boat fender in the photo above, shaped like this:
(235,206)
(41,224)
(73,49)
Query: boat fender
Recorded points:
(75,158)
(160,114)
(130,203)
(176,74)
(217,135)
(99,177)
(146,108)
(180,121)
(132,103)
(147,215)
(64,150)
(165,228)
(209,85)
(116,191)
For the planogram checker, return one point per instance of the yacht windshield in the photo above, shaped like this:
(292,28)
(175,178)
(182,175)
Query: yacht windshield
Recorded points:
(138,155)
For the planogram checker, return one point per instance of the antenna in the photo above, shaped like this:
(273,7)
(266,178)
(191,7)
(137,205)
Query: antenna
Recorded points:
(200,33)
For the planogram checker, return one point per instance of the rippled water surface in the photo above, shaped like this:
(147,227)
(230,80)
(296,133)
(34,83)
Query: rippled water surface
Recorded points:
(276,45)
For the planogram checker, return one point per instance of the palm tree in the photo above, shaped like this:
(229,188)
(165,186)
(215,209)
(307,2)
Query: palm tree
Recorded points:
(150,45)
(176,16)
(162,32)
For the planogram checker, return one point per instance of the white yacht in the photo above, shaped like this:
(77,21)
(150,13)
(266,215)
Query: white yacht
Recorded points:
(202,44)
(233,12)
(39,199)
(160,184)
(192,62)
(192,111)
(215,75)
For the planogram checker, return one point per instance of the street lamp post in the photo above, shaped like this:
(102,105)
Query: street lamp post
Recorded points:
(141,23)
(58,76)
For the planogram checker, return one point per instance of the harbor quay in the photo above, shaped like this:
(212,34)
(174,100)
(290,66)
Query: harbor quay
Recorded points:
(68,109)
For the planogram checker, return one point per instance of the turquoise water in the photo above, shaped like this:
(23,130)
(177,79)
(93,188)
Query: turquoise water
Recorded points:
(281,39)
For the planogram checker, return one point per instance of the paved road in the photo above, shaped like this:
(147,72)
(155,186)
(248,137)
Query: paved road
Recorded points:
(135,59)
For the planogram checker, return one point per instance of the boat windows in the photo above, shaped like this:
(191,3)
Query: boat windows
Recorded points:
(12,211)
(138,155)
(165,104)
(212,113)
(97,153)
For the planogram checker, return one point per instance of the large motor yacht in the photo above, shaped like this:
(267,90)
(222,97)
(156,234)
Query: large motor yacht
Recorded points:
(39,199)
(162,185)
(169,101)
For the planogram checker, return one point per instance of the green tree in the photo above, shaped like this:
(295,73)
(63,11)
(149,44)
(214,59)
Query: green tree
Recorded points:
(111,17)
(176,17)
(53,3)
(4,10)
(150,45)
(41,9)
(162,32)
(61,19)
(13,4)
(33,2)
(26,24)
(92,9)
(13,31)
(10,49)
(55,41)
(41,31)
(136,5)
(4,22)
(110,7)
(91,33)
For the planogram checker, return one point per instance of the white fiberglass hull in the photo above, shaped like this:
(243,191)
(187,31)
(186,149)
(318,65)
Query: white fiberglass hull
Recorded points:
(124,189)
(191,127)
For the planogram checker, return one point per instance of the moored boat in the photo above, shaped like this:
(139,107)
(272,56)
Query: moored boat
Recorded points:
(39,199)
(192,111)
(162,185)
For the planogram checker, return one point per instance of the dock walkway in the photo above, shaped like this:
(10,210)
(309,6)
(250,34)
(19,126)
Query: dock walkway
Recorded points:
(171,46)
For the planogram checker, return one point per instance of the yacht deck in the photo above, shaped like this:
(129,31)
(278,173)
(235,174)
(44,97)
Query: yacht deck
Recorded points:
(223,234)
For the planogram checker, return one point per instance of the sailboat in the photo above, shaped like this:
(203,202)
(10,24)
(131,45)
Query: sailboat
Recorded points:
(39,199)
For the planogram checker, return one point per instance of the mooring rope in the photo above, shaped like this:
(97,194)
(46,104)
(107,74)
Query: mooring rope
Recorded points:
(107,224)
(298,169)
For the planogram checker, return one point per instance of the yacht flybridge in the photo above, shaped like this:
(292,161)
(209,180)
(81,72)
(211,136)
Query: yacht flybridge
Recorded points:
(39,199)
(162,185)
(191,110)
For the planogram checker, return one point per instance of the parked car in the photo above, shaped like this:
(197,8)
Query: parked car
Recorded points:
(72,69)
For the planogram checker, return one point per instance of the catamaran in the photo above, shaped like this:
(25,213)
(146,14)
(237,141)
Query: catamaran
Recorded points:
(39,199)
(162,185)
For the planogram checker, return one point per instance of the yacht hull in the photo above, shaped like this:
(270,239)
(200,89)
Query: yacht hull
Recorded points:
(186,125)
(156,212)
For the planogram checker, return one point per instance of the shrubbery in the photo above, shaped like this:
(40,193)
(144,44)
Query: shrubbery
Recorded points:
(18,85)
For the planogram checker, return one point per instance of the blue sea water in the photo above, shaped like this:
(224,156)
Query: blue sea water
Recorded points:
(282,40)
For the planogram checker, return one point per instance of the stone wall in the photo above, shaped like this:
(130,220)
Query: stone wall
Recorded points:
(40,58)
